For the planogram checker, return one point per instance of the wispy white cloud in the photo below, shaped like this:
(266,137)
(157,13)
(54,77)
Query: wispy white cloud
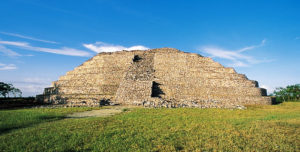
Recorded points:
(28,37)
(62,51)
(105,47)
(238,64)
(235,56)
(14,43)
(32,86)
(253,46)
(28,55)
(8,52)
(7,67)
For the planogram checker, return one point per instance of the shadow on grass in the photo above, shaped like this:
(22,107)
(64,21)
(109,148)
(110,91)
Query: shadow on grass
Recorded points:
(40,119)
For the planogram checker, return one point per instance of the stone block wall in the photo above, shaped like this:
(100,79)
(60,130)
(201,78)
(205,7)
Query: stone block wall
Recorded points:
(155,78)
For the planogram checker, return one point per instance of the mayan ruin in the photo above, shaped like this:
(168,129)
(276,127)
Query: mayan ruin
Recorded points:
(162,77)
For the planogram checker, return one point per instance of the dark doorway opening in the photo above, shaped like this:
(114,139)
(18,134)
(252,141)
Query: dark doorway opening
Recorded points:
(156,90)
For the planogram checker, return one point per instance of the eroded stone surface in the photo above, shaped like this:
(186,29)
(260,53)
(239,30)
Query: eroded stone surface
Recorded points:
(154,78)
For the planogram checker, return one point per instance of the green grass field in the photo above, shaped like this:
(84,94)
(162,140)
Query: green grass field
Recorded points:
(259,128)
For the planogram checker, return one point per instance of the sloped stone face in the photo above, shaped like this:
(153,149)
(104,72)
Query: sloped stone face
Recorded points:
(155,78)
(136,85)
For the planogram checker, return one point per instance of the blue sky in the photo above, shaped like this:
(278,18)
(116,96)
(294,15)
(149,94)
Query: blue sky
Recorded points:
(42,40)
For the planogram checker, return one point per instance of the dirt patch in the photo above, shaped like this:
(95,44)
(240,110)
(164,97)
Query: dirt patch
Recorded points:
(100,113)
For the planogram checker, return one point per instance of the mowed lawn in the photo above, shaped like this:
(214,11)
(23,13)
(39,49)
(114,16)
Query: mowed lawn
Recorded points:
(259,128)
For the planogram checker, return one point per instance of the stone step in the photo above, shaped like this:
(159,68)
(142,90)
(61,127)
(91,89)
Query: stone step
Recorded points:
(87,76)
(103,69)
(95,70)
(103,89)
(211,69)
(193,75)
(211,82)
(242,100)
(208,90)
(87,96)
(82,82)
(164,60)
(93,80)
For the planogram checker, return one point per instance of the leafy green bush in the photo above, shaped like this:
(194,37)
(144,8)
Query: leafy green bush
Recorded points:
(289,93)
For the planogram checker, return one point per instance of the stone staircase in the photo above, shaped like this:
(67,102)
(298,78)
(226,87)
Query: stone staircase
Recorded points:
(136,85)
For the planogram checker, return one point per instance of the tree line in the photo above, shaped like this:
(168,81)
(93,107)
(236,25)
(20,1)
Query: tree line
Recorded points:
(6,89)
(289,93)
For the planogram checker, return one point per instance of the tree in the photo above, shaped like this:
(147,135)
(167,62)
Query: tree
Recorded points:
(289,93)
(6,89)
(16,92)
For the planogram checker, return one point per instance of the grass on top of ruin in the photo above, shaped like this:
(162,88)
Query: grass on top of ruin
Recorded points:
(259,128)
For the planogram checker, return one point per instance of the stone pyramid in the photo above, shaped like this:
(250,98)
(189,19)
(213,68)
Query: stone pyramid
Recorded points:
(162,77)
